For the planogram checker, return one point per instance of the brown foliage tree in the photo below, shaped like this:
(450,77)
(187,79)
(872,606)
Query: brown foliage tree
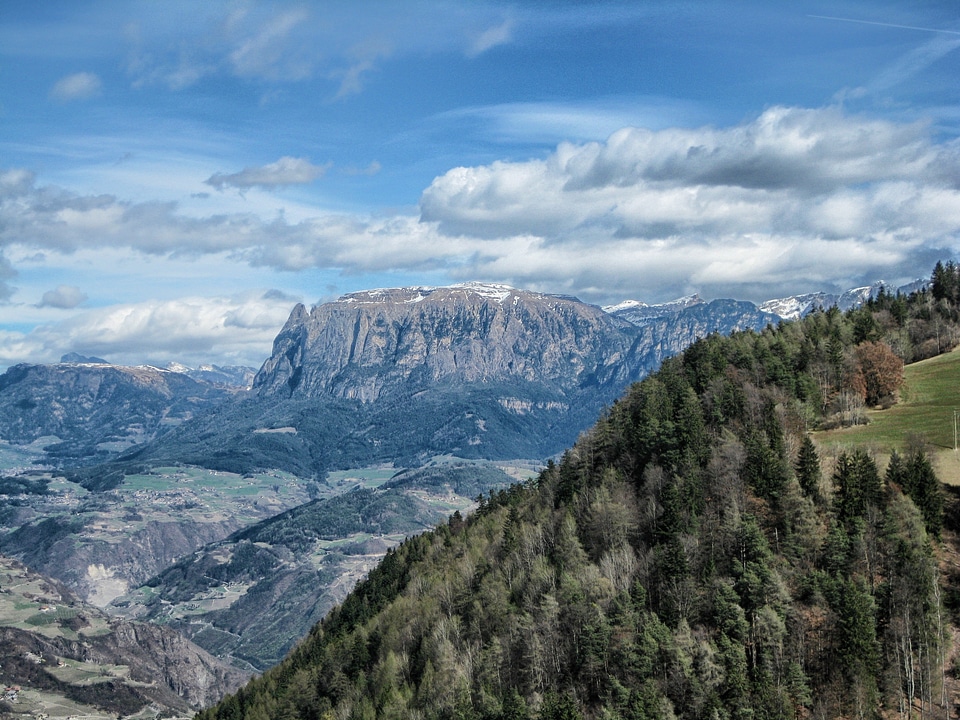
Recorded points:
(880,371)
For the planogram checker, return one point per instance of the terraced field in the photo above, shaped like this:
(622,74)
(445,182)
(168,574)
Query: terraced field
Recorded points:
(33,604)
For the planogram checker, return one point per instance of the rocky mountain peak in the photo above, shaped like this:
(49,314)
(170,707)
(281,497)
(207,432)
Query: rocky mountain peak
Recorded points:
(366,343)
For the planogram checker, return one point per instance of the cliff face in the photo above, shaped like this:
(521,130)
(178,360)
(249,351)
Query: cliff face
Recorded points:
(472,370)
(367,344)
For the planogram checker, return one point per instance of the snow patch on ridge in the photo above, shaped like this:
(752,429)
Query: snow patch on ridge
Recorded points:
(419,293)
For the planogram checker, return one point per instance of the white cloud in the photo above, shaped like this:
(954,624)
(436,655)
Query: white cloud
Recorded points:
(686,201)
(285,171)
(65,297)
(79,86)
(794,200)
(237,329)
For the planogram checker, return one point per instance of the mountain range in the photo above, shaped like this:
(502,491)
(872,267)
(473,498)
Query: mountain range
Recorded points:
(385,379)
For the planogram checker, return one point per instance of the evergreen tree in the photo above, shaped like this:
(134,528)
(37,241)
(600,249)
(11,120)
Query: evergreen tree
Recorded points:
(857,484)
(808,468)
(923,487)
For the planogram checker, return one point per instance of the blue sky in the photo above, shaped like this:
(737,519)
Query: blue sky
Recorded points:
(174,176)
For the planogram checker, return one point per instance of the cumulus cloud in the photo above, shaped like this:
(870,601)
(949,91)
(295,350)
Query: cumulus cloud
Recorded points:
(285,171)
(238,330)
(65,297)
(794,200)
(763,203)
(79,86)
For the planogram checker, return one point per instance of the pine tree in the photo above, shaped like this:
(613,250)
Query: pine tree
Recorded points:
(808,468)
(924,489)
(857,484)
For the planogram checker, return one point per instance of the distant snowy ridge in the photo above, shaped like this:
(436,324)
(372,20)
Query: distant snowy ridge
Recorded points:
(639,313)
(786,308)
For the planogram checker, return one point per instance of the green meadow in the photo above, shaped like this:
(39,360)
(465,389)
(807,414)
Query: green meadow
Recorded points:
(929,408)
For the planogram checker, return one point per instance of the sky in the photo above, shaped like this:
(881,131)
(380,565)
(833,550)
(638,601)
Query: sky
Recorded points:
(175,176)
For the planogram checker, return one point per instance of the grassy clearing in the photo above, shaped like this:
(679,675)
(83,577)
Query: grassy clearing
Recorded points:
(930,397)
(372,477)
(23,456)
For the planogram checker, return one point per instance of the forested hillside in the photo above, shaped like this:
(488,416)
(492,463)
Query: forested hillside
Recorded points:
(691,556)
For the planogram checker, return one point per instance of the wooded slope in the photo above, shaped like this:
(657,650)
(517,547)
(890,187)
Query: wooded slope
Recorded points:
(688,557)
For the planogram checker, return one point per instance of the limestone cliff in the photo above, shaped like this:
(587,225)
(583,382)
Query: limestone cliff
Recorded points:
(367,344)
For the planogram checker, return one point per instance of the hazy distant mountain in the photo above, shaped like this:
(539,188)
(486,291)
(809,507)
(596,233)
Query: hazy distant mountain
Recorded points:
(236,376)
(797,306)
(73,357)
(639,313)
(96,409)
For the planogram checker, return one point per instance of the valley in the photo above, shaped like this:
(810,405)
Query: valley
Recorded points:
(103,543)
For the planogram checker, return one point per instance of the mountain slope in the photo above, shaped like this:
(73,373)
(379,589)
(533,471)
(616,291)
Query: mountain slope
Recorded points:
(691,556)
(254,594)
(94,409)
(402,375)
(54,646)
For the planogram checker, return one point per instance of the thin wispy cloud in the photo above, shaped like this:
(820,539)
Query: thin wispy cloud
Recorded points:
(270,53)
(79,86)
(914,63)
(491,38)
(370,170)
(885,24)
